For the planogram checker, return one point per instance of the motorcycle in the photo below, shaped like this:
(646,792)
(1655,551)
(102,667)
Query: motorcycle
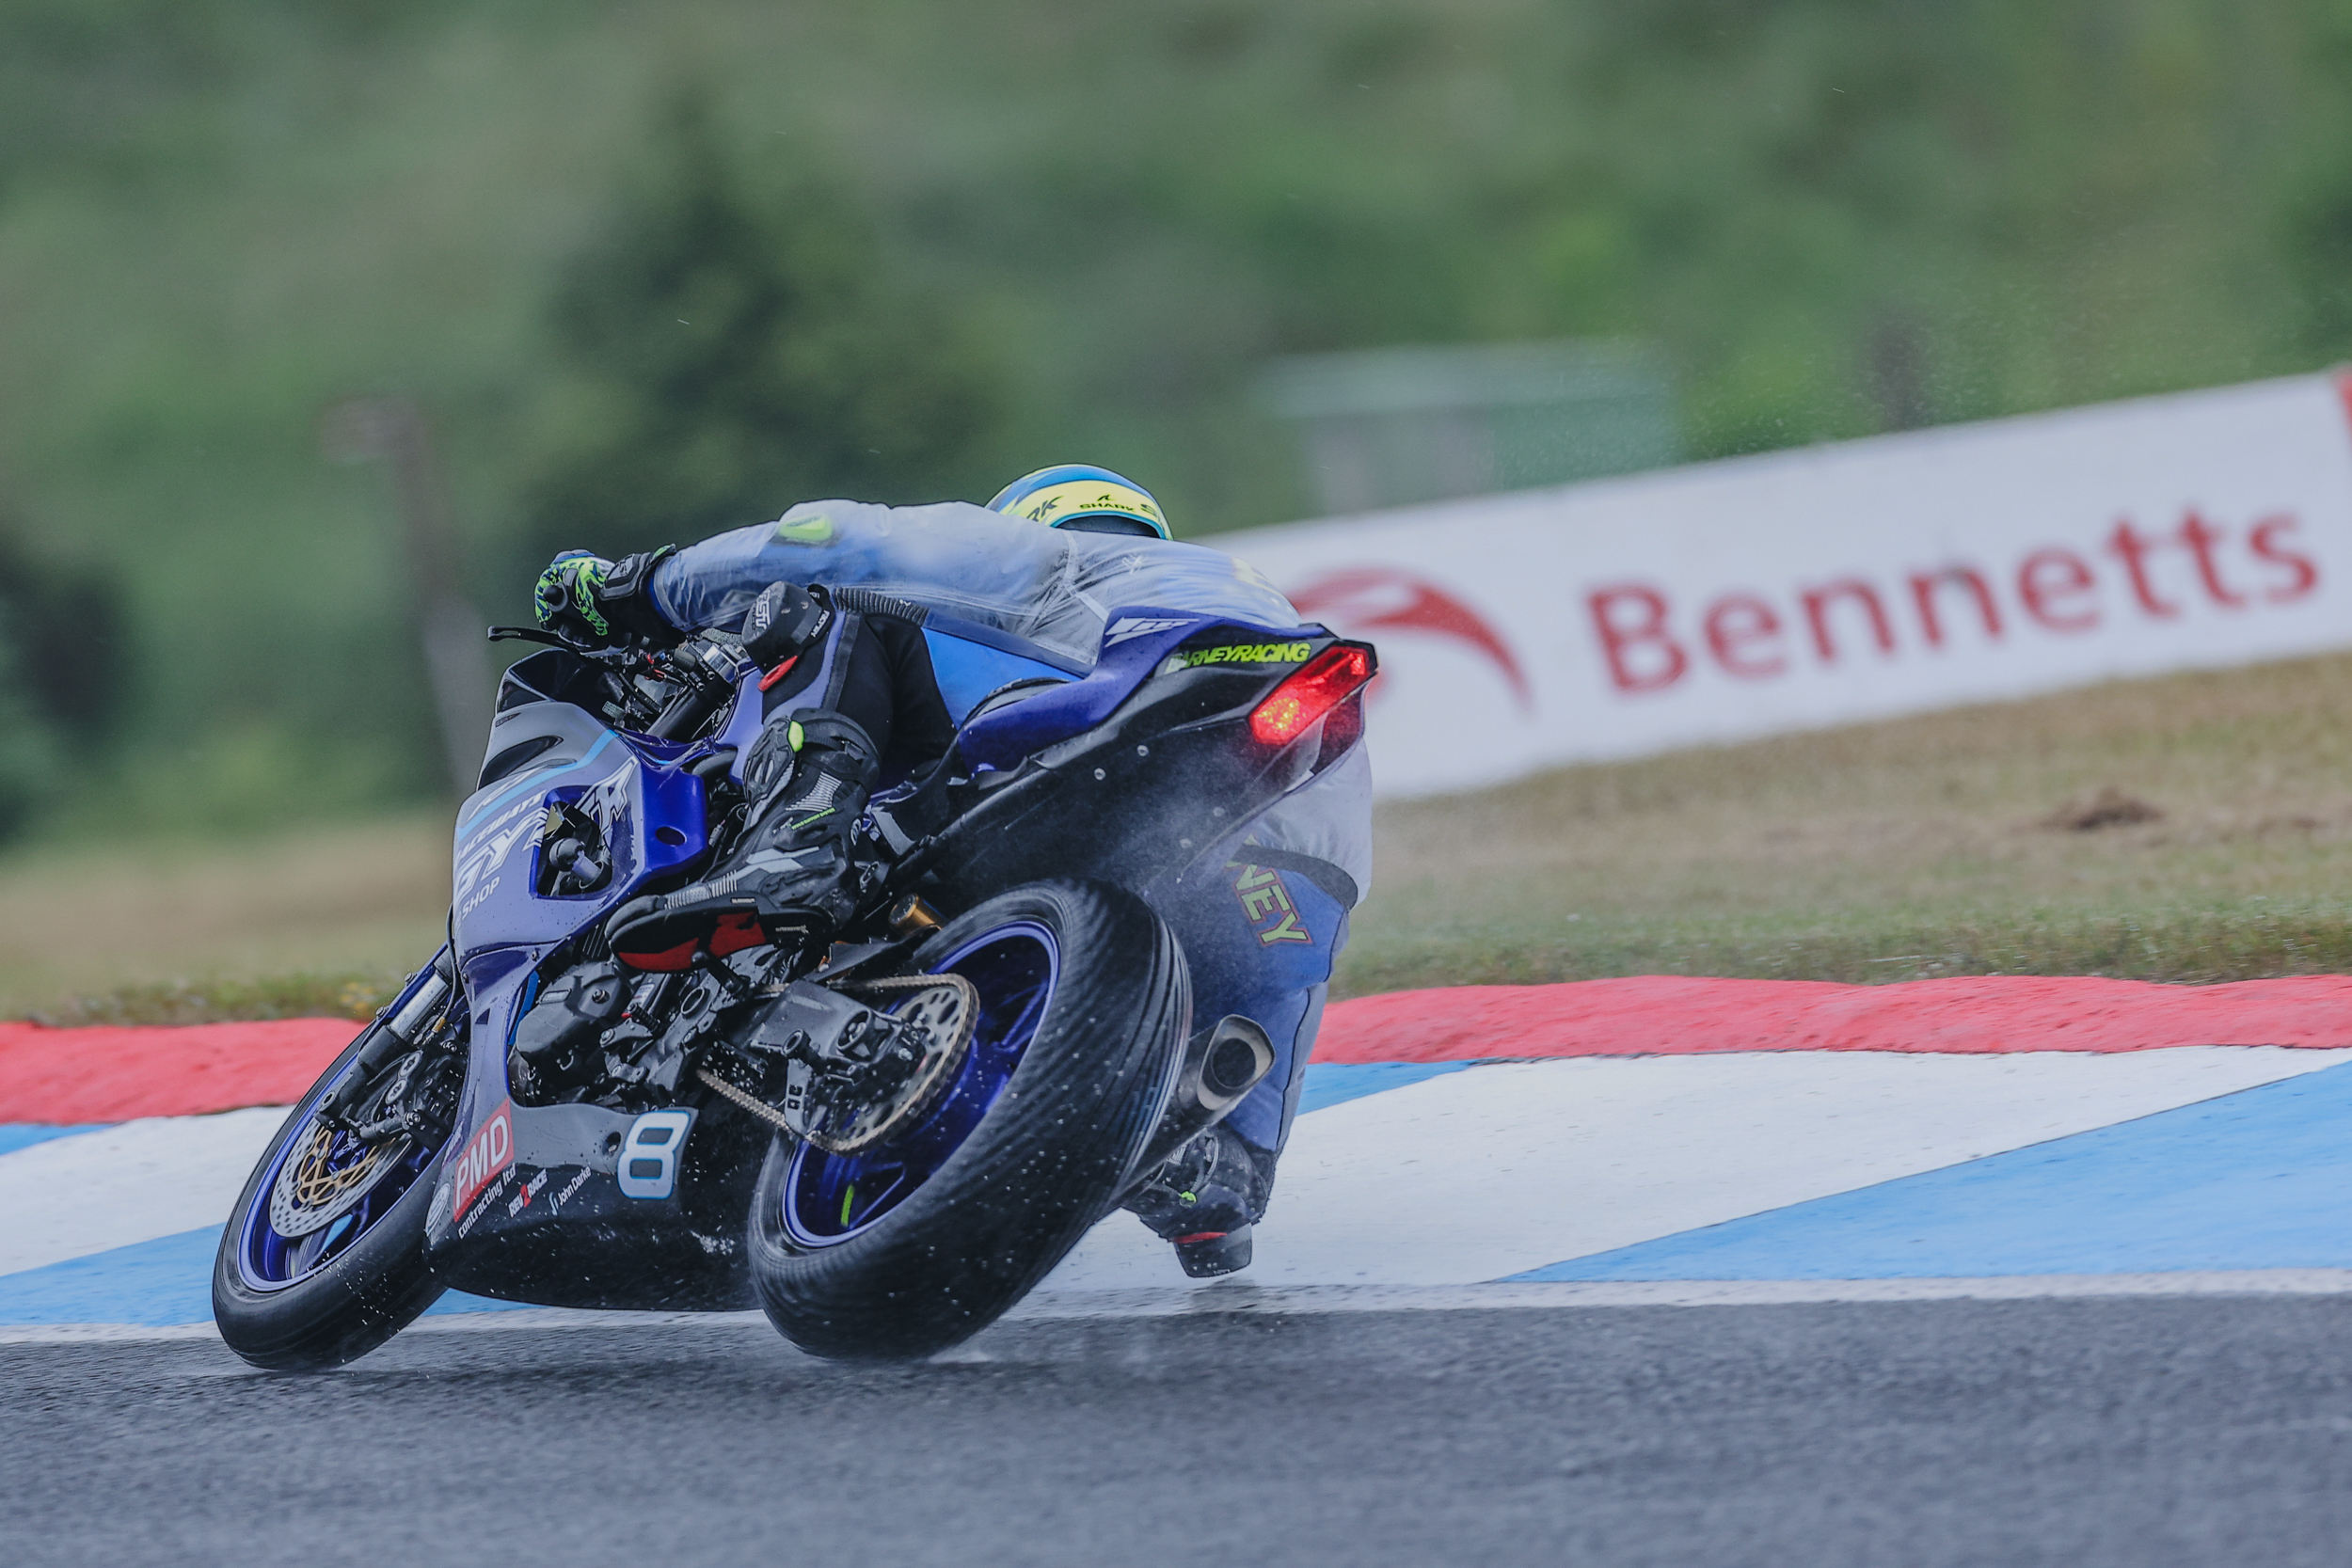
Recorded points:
(884,1141)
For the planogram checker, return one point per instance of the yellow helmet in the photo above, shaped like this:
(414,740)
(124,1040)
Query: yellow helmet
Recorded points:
(1082,496)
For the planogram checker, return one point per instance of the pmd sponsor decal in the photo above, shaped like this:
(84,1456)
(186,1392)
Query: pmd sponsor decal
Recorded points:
(487,1155)
(487,1203)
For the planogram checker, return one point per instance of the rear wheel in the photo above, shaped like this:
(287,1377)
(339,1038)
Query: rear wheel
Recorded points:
(920,1242)
(324,1257)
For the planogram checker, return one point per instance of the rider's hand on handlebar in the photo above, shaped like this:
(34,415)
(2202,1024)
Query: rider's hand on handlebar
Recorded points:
(601,603)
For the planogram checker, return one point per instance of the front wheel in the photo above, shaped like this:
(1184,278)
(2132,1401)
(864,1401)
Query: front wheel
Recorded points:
(916,1243)
(324,1257)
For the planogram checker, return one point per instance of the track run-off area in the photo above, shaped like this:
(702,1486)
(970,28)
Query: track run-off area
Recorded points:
(1968,1271)
(1660,1131)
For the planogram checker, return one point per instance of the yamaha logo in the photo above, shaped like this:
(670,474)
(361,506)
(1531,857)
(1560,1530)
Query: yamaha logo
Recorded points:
(1128,628)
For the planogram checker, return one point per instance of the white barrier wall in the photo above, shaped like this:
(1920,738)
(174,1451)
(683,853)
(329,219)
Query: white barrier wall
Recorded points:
(1800,589)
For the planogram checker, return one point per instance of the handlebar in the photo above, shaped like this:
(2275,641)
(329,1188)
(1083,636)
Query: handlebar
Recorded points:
(707,672)
(668,694)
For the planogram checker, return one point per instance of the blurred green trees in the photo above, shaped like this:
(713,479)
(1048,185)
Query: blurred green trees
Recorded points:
(738,345)
(61,626)
(28,749)
(62,677)
(917,246)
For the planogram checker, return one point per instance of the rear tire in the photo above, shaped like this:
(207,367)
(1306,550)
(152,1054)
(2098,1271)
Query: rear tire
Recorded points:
(1041,1166)
(348,1304)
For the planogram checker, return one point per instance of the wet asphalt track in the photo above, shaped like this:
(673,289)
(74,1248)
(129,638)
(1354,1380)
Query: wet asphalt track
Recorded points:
(2076,1431)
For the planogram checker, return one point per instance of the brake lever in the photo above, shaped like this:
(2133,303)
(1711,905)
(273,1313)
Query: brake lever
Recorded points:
(528,634)
(622,657)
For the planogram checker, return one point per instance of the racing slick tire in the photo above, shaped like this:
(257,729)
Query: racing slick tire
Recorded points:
(1085,1005)
(284,1313)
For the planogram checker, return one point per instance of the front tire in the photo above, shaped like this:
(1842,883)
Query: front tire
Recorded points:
(1085,1007)
(310,1302)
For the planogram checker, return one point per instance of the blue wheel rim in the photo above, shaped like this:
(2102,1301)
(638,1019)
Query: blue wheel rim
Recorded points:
(267,1261)
(829,1199)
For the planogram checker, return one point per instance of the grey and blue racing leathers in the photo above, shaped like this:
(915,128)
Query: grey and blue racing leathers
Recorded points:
(1261,941)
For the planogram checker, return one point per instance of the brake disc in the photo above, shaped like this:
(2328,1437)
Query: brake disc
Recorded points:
(941,1010)
(947,1007)
(312,1192)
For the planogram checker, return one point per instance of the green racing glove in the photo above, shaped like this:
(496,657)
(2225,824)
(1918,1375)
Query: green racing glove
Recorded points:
(599,602)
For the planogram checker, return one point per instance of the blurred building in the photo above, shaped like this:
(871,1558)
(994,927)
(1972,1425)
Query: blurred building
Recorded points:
(1392,427)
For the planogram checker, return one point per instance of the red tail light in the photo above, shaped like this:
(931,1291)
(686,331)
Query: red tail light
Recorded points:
(1321,685)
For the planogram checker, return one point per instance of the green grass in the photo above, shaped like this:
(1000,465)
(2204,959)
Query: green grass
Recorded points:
(352,996)
(1900,850)
(313,920)
(2246,940)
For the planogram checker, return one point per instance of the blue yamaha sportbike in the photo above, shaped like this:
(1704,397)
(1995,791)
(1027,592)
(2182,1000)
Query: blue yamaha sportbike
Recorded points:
(885,1142)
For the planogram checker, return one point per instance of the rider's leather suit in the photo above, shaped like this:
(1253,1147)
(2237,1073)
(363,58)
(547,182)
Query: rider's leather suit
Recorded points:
(1262,941)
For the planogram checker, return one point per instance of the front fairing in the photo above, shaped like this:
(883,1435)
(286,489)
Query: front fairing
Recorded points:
(652,816)
(650,811)
(1133,772)
(527,1204)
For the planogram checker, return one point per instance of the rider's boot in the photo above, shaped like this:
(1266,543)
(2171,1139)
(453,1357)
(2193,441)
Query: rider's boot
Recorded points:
(789,876)
(1205,1199)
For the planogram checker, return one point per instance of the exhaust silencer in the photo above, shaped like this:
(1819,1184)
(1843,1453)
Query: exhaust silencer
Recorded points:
(1221,1064)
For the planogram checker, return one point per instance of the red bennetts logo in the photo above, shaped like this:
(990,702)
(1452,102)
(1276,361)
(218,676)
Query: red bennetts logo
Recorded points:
(485,1158)
(1380,598)
(2133,573)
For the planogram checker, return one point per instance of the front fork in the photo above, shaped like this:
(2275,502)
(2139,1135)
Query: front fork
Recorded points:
(402,1026)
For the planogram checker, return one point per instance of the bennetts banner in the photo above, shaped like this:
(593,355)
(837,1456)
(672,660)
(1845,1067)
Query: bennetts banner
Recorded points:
(1802,589)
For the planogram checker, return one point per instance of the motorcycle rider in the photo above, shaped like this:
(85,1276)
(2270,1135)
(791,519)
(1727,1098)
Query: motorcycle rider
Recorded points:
(1048,559)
